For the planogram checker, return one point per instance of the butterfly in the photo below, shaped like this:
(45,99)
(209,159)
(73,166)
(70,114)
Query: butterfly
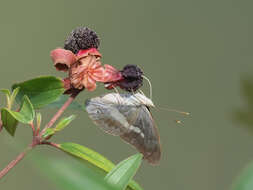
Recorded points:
(128,116)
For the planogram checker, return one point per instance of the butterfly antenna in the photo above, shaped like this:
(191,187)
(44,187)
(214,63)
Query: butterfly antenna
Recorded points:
(142,92)
(178,122)
(173,110)
(117,92)
(174,120)
(150,86)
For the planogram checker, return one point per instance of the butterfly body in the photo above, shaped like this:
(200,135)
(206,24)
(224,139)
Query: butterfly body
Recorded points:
(127,116)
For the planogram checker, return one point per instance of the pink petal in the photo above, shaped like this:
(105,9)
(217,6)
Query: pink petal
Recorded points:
(112,74)
(85,52)
(67,83)
(95,65)
(62,59)
(110,68)
(86,62)
(89,83)
(99,74)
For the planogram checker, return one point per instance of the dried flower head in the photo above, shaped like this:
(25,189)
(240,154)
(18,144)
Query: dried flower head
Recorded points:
(80,39)
(84,68)
(87,70)
(131,79)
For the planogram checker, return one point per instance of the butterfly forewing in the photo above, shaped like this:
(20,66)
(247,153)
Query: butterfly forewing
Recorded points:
(106,116)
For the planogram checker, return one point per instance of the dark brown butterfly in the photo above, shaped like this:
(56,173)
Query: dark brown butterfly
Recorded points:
(128,116)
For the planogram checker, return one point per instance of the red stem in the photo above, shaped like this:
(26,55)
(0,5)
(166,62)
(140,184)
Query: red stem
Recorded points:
(51,144)
(37,131)
(15,161)
(33,129)
(59,113)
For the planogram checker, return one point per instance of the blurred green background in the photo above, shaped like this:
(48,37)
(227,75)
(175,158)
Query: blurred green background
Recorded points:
(195,53)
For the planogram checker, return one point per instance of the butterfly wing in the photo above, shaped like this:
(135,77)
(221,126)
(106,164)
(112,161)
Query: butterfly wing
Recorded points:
(133,123)
(143,133)
(106,116)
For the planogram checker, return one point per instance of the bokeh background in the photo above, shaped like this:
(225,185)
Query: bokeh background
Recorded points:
(196,53)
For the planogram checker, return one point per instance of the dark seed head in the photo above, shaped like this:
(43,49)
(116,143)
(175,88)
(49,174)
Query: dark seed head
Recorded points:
(133,79)
(132,71)
(130,85)
(81,38)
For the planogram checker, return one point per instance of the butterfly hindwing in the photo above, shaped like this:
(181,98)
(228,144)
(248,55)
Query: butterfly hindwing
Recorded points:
(143,133)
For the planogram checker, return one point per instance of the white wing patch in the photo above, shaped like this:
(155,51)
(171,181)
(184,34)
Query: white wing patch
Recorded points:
(136,130)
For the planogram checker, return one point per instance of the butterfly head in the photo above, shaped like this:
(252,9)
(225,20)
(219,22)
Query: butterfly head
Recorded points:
(96,108)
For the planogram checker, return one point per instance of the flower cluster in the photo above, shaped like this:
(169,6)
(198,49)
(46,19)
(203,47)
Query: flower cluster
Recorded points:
(82,60)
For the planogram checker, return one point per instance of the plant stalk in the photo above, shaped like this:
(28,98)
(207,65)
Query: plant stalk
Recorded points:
(37,140)
(51,144)
(4,171)
(59,113)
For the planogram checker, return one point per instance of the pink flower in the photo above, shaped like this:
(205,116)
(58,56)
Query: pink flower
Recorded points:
(85,68)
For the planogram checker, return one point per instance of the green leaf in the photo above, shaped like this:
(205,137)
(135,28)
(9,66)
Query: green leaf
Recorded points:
(18,116)
(8,96)
(6,92)
(133,186)
(69,174)
(94,158)
(122,173)
(13,96)
(60,126)
(26,114)
(245,180)
(27,109)
(63,98)
(87,154)
(9,122)
(64,122)
(48,132)
(41,91)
